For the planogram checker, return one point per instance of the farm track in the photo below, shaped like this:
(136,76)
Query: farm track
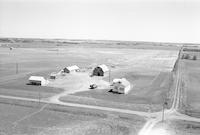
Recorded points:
(145,114)
(25,117)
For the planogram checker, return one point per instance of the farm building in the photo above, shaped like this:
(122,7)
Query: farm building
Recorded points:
(37,80)
(53,75)
(71,69)
(100,70)
(121,86)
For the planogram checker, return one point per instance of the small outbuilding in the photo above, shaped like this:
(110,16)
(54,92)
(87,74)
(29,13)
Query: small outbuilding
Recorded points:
(37,80)
(100,70)
(121,86)
(71,69)
(53,75)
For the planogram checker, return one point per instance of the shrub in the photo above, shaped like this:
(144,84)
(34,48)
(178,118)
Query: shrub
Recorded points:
(187,56)
(194,57)
(183,56)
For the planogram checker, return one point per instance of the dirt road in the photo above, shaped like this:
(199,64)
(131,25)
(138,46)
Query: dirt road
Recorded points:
(144,114)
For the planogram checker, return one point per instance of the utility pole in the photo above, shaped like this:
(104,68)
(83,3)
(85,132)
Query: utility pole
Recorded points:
(163,110)
(109,74)
(16,68)
(39,97)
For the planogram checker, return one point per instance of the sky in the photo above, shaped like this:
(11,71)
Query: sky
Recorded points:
(133,20)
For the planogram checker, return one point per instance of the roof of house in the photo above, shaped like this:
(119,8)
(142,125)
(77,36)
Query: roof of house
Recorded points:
(122,81)
(116,80)
(53,74)
(36,78)
(74,67)
(104,67)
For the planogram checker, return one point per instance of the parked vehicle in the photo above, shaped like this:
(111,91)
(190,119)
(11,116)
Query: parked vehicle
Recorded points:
(93,86)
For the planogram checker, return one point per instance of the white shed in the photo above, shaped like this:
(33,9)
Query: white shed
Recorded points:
(53,75)
(71,69)
(37,80)
(122,86)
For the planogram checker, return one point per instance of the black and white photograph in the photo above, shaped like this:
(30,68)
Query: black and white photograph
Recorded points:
(99,67)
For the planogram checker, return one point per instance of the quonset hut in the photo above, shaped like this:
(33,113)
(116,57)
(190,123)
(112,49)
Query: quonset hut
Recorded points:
(100,70)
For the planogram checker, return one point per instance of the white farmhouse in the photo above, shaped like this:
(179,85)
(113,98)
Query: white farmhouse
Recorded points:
(121,86)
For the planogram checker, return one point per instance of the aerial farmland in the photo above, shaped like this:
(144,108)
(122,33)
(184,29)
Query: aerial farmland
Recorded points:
(67,104)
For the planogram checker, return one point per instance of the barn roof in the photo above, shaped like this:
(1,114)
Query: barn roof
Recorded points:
(74,67)
(104,67)
(36,78)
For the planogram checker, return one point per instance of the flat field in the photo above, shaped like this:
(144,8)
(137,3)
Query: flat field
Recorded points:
(191,79)
(43,119)
(181,127)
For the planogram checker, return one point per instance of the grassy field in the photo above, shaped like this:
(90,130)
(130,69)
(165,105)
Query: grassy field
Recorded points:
(28,118)
(191,79)
(181,127)
(176,127)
